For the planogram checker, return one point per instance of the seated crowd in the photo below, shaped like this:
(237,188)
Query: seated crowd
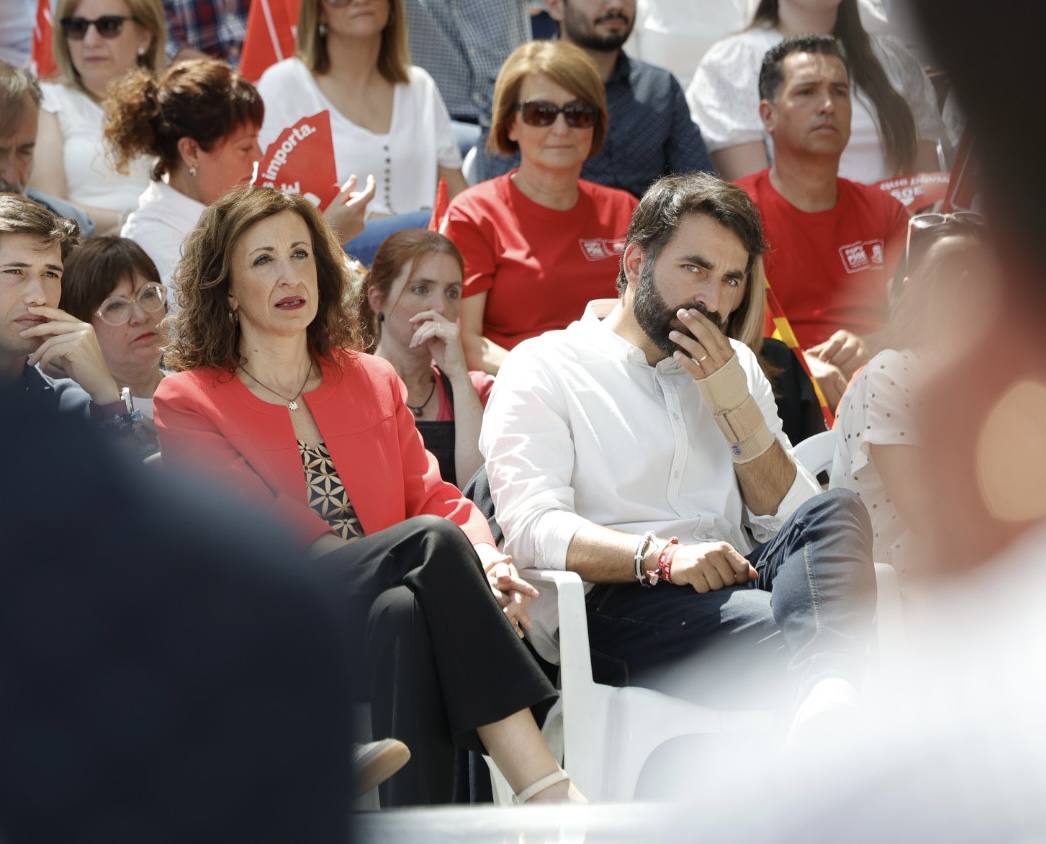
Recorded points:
(585,328)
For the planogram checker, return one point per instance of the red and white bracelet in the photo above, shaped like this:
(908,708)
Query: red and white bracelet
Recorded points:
(664,563)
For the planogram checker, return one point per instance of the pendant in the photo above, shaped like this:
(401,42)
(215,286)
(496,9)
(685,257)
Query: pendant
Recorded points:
(293,405)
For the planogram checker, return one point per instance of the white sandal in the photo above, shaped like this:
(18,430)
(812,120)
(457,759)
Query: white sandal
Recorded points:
(540,785)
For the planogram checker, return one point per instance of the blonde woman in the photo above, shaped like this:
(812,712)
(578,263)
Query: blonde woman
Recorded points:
(387,116)
(95,43)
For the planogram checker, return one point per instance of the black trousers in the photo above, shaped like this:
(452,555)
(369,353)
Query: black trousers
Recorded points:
(441,658)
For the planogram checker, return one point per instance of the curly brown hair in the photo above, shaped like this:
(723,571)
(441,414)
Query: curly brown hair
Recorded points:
(206,334)
(202,99)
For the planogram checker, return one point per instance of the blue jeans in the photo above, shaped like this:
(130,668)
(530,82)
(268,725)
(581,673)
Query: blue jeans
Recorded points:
(807,616)
(365,245)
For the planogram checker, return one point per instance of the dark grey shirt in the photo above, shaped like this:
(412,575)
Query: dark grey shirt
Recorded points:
(651,133)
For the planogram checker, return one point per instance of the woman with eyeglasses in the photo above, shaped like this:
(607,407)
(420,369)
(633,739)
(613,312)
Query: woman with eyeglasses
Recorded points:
(387,116)
(539,242)
(878,439)
(111,283)
(95,43)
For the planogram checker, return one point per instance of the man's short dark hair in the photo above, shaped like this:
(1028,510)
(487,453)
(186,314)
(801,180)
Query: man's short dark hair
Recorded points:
(771,74)
(672,198)
(20,215)
(15,84)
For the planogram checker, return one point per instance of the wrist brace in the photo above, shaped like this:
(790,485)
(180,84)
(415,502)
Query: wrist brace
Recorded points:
(736,413)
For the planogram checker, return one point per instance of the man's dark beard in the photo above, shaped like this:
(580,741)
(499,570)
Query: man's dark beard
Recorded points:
(580,32)
(656,317)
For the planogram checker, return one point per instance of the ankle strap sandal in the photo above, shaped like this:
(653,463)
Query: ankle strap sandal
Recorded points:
(540,785)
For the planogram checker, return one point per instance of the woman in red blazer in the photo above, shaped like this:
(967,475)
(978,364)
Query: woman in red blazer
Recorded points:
(270,396)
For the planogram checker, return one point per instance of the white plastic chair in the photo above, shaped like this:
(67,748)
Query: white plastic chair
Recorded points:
(816,453)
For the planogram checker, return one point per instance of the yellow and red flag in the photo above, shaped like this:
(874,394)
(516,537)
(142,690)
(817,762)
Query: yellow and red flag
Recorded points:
(783,332)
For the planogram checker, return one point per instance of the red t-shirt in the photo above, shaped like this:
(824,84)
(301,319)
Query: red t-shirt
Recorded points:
(539,267)
(830,269)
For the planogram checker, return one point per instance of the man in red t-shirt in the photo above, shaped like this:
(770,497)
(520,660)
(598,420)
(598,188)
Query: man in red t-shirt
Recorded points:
(833,243)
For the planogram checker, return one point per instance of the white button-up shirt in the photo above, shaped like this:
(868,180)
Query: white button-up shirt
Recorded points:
(581,429)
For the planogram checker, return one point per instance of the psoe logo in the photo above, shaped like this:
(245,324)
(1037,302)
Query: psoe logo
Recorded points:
(596,249)
(863,255)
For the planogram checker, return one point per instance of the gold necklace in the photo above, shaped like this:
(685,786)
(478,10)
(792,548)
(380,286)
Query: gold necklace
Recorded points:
(292,403)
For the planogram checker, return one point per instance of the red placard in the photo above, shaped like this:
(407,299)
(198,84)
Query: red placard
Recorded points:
(301,160)
(919,192)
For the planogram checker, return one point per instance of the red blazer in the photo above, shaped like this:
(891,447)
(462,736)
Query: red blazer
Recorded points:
(208,417)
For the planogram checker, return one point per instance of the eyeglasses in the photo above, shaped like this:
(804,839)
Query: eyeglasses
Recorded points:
(116,310)
(108,26)
(578,115)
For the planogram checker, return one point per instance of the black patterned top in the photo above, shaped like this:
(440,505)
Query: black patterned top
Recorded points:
(326,493)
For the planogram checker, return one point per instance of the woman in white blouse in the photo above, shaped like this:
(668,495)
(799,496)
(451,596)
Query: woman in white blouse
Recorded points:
(95,43)
(878,439)
(896,123)
(387,116)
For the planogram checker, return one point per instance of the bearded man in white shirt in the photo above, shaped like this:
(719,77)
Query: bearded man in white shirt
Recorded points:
(641,447)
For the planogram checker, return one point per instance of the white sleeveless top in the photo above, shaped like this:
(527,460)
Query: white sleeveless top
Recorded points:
(90,178)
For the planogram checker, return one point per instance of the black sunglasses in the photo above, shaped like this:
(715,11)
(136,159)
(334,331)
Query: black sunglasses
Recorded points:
(108,26)
(577,114)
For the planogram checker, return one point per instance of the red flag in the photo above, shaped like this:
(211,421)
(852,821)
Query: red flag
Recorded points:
(439,209)
(43,58)
(301,160)
(270,36)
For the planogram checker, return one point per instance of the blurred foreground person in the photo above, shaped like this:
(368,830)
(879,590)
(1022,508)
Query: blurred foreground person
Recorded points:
(878,443)
(273,396)
(953,749)
(159,691)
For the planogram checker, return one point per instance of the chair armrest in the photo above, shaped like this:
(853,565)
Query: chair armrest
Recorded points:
(567,614)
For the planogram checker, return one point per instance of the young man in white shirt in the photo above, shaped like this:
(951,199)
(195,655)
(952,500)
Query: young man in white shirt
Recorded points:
(608,440)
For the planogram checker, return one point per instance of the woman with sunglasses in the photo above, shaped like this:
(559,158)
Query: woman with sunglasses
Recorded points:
(878,439)
(387,116)
(111,283)
(539,242)
(95,42)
